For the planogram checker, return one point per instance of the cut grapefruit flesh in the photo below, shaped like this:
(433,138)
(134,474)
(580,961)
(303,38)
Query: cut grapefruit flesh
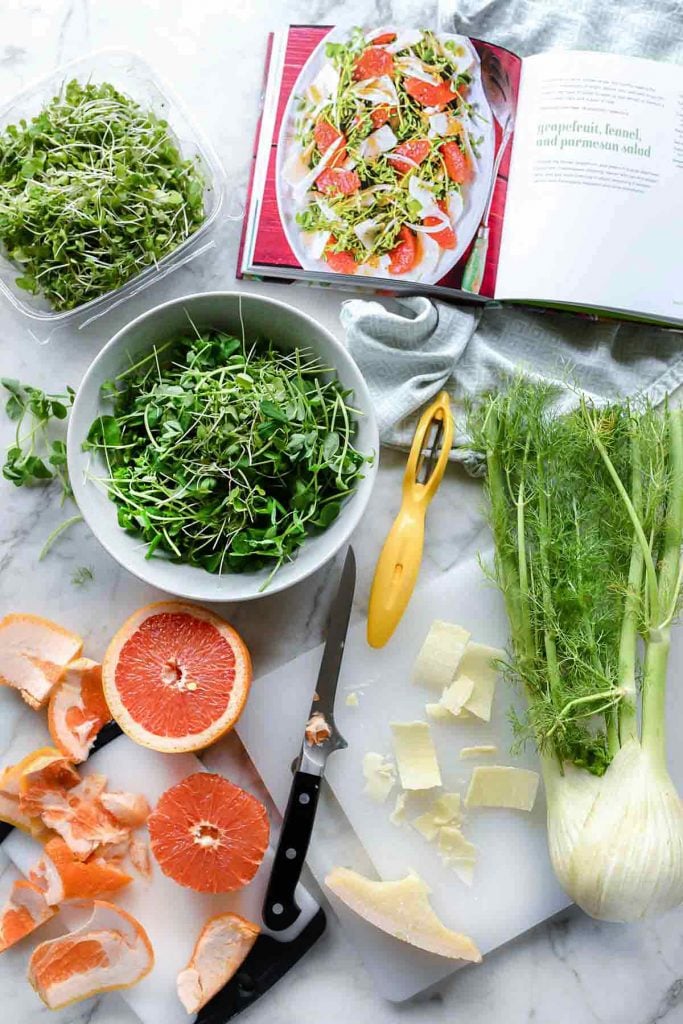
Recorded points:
(220,950)
(208,834)
(176,677)
(129,809)
(34,653)
(61,876)
(79,817)
(108,950)
(77,709)
(38,769)
(26,909)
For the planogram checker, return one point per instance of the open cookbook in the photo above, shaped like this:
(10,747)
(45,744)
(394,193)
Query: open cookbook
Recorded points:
(415,160)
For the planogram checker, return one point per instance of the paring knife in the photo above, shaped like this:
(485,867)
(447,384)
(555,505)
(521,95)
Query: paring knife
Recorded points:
(321,738)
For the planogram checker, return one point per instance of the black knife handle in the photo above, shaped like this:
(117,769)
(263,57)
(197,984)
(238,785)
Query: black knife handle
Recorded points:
(280,909)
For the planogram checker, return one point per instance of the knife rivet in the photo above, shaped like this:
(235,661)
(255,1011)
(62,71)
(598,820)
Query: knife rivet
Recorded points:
(277,908)
(304,798)
(290,854)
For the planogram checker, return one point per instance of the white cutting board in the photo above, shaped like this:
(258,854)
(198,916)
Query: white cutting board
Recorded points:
(514,887)
(171,914)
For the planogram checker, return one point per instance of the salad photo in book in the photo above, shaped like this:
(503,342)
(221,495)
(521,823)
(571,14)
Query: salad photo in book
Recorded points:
(385,156)
(416,160)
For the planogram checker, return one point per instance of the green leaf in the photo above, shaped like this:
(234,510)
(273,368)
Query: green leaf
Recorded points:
(330,445)
(273,411)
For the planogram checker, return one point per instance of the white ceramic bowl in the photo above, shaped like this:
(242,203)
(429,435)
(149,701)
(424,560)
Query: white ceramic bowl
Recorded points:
(288,328)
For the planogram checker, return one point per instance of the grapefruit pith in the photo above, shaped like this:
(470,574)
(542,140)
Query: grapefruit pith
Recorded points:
(176,677)
(208,834)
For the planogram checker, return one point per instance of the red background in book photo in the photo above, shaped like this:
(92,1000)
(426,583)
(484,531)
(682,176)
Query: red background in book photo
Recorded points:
(271,246)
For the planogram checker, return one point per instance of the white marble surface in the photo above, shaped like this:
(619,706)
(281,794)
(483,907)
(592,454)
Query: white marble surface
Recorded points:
(570,971)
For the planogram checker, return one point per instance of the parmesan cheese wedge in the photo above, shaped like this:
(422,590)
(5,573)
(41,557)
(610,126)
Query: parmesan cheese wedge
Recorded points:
(380,775)
(482,751)
(418,767)
(402,909)
(457,853)
(499,785)
(440,655)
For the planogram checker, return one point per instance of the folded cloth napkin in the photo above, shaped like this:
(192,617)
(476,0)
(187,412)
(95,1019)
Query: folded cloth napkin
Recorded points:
(408,349)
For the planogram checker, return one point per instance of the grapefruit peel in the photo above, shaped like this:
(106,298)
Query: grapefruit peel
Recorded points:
(25,910)
(221,948)
(34,653)
(107,950)
(77,709)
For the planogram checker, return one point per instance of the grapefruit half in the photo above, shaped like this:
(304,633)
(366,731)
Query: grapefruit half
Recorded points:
(208,834)
(176,677)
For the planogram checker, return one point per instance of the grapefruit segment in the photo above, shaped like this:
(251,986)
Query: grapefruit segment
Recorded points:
(129,809)
(37,769)
(61,876)
(26,909)
(34,653)
(108,950)
(77,709)
(222,946)
(78,816)
(208,834)
(176,677)
(140,858)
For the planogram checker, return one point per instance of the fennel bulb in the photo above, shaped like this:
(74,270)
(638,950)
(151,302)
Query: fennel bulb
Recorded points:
(587,516)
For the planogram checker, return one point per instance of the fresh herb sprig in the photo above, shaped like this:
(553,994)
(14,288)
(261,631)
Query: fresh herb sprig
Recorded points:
(36,457)
(93,190)
(225,455)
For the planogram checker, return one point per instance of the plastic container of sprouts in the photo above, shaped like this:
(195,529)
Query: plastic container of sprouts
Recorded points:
(131,75)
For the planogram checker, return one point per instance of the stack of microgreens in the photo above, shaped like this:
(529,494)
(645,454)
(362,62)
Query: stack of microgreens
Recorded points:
(587,516)
(224,454)
(93,190)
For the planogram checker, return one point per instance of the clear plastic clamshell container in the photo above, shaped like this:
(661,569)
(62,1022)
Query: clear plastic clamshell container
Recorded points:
(131,75)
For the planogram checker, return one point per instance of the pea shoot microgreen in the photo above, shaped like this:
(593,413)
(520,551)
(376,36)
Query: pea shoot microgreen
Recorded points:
(93,190)
(226,454)
(36,456)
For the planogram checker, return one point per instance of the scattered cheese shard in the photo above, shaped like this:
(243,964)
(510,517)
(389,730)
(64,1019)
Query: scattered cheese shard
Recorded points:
(426,826)
(438,713)
(455,697)
(351,700)
(447,808)
(398,815)
(418,767)
(401,908)
(440,654)
(457,853)
(380,775)
(499,785)
(482,751)
(444,810)
(478,664)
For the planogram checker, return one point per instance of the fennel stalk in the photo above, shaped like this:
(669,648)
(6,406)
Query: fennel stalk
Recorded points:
(587,515)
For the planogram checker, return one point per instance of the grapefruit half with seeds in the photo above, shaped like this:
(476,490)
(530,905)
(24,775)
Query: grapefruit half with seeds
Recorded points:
(176,677)
(208,834)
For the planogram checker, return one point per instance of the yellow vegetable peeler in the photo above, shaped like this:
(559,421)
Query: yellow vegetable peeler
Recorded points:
(399,562)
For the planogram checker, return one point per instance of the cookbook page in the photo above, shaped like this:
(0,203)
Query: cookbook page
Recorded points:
(377,158)
(594,215)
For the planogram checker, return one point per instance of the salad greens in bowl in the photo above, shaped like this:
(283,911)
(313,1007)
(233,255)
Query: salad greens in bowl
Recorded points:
(222,445)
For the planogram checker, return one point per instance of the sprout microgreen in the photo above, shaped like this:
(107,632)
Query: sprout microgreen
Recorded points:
(93,190)
(36,457)
(226,454)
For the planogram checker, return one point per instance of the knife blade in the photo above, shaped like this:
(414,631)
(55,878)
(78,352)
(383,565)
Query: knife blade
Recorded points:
(321,738)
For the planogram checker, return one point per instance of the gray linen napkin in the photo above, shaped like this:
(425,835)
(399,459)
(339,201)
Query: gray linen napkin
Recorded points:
(408,349)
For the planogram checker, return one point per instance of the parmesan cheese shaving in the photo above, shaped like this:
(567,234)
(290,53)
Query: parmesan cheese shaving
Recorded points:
(456,852)
(481,751)
(398,815)
(418,767)
(439,657)
(380,775)
(502,786)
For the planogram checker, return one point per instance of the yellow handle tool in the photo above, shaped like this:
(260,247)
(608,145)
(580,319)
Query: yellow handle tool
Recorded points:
(399,563)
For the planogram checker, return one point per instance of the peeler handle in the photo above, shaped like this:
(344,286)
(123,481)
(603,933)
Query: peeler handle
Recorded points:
(399,563)
(396,572)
